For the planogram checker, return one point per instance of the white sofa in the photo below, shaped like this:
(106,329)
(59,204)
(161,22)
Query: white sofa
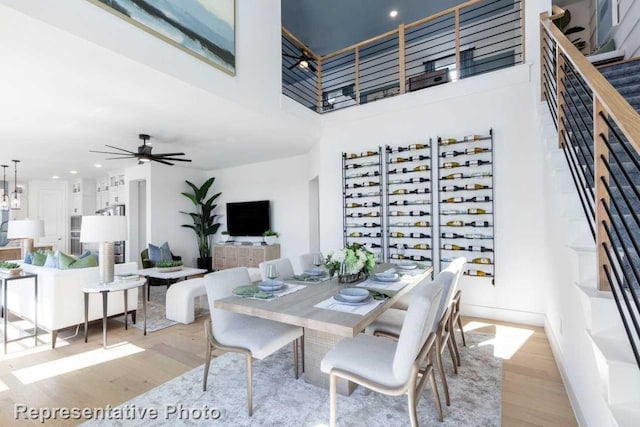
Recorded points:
(60,296)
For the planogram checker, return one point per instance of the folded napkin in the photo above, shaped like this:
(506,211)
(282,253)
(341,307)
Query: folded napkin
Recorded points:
(380,295)
(307,278)
(251,291)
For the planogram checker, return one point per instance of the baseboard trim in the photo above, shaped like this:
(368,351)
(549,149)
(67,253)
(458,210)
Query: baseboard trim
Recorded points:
(559,358)
(503,314)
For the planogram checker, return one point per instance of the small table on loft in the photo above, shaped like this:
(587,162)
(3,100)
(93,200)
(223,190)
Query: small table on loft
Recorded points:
(105,289)
(5,309)
(322,328)
(183,273)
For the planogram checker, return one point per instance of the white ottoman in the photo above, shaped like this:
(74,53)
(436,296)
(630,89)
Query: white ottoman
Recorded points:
(180,303)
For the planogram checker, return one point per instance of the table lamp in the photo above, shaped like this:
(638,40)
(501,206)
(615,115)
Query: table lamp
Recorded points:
(104,230)
(27,230)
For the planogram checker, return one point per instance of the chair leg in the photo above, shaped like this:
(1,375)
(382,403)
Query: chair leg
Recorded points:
(459,321)
(333,380)
(455,347)
(445,386)
(411,395)
(206,366)
(249,387)
(436,395)
(452,352)
(295,357)
(302,350)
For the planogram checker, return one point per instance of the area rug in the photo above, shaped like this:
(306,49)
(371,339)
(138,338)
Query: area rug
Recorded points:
(281,400)
(156,311)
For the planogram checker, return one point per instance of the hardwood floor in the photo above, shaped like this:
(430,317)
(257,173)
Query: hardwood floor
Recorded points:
(78,375)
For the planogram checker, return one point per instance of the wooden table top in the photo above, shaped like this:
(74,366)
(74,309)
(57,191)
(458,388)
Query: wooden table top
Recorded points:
(298,308)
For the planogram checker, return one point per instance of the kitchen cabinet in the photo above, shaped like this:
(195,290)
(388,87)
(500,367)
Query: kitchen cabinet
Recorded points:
(83,197)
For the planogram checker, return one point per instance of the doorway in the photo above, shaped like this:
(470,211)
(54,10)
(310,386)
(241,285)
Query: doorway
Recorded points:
(137,219)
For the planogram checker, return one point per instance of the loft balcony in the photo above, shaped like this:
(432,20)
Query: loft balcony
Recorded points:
(476,37)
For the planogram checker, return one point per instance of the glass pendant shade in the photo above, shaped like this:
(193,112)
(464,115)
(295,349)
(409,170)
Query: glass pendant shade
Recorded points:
(15,197)
(4,203)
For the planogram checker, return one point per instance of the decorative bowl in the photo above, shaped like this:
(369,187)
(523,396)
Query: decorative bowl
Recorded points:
(11,271)
(169,269)
(351,278)
(354,294)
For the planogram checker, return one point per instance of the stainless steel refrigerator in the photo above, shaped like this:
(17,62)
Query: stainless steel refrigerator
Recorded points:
(118,247)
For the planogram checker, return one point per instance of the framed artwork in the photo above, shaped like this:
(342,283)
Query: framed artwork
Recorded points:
(204,29)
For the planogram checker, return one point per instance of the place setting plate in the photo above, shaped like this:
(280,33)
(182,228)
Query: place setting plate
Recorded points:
(272,286)
(386,277)
(407,265)
(353,296)
(315,272)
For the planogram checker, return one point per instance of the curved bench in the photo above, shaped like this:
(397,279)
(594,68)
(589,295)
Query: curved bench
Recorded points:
(180,303)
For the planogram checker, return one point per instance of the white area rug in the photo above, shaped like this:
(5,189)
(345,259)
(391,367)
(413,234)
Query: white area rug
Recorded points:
(280,400)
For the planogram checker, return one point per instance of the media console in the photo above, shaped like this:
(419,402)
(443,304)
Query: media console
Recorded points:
(231,256)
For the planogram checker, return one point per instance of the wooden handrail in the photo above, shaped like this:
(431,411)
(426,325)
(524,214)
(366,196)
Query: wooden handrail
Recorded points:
(557,12)
(612,102)
(301,45)
(359,44)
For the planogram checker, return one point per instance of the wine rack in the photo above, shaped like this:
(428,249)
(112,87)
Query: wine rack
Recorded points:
(466,203)
(362,200)
(409,225)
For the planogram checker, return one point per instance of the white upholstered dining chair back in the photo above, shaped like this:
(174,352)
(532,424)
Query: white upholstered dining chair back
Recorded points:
(416,328)
(285,269)
(220,284)
(456,268)
(306,260)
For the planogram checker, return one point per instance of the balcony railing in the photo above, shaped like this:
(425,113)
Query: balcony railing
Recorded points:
(473,38)
(599,132)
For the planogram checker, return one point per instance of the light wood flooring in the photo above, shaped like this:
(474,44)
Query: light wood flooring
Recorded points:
(533,392)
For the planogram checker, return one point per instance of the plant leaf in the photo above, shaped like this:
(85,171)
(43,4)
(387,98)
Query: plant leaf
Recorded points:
(573,30)
(191,197)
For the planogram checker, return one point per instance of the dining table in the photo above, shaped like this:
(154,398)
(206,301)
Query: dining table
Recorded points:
(323,327)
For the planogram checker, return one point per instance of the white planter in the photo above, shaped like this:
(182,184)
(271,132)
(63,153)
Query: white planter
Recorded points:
(224,238)
(271,240)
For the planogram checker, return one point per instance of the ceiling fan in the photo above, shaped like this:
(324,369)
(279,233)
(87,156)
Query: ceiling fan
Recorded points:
(144,153)
(303,60)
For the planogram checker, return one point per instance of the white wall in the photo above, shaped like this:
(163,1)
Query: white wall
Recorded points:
(581,16)
(627,33)
(285,184)
(503,101)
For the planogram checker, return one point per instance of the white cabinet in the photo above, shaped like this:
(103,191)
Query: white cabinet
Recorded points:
(83,197)
(102,193)
(116,188)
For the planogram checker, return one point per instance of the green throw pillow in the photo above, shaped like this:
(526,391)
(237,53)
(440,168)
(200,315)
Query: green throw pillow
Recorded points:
(88,261)
(65,261)
(38,258)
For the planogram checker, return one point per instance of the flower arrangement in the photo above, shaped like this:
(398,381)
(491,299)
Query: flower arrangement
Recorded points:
(355,258)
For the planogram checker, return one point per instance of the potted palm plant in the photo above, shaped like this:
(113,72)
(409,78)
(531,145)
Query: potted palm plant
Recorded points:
(204,224)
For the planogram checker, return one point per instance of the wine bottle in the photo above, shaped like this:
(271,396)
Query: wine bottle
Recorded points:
(448,188)
(450,247)
(372,214)
(398,256)
(398,246)
(480,175)
(375,245)
(475,187)
(446,141)
(476,211)
(397,213)
(453,176)
(451,236)
(419,236)
(418,213)
(454,223)
(451,212)
(422,246)
(421,224)
(354,205)
(449,165)
(400,191)
(352,156)
(396,234)
(479,249)
(417,146)
(453,200)
(454,153)
(478,236)
(476,199)
(421,168)
(369,153)
(478,273)
(400,160)
(476,150)
(478,224)
(481,261)
(472,137)
(420,157)
(477,162)
(370,225)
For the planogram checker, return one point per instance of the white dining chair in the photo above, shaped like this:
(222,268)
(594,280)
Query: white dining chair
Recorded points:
(306,260)
(285,269)
(255,338)
(390,367)
(389,323)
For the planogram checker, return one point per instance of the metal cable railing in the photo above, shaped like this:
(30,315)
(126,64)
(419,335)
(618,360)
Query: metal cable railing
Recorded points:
(476,37)
(600,137)
(299,79)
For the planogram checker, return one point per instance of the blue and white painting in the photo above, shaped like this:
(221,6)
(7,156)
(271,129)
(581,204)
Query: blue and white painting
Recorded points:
(203,28)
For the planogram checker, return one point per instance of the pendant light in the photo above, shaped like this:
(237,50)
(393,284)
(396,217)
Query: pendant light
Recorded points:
(4,205)
(15,199)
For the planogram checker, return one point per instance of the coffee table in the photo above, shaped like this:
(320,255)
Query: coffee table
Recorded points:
(183,273)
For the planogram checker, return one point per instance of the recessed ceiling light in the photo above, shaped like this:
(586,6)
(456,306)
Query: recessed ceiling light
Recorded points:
(393,13)
(73,172)
(55,177)
(97,165)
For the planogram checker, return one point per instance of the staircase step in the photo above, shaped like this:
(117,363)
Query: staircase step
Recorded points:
(620,69)
(601,312)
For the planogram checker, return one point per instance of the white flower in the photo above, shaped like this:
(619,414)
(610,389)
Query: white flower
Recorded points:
(338,256)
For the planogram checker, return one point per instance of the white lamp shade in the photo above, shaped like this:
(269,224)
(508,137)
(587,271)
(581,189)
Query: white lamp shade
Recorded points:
(25,229)
(98,228)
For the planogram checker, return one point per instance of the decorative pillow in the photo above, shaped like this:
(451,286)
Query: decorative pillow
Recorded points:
(38,258)
(88,253)
(52,260)
(159,253)
(28,259)
(87,261)
(65,261)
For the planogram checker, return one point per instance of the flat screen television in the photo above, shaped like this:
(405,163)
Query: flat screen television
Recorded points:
(248,218)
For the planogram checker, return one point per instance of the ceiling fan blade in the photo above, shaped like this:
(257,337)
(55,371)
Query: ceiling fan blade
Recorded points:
(311,67)
(119,158)
(172,159)
(168,154)
(106,152)
(291,67)
(290,56)
(118,148)
(161,161)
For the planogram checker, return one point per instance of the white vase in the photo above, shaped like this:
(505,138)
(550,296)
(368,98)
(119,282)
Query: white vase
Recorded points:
(271,240)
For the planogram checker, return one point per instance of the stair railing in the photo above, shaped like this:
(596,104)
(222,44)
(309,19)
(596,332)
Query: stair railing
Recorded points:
(599,133)
(469,39)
